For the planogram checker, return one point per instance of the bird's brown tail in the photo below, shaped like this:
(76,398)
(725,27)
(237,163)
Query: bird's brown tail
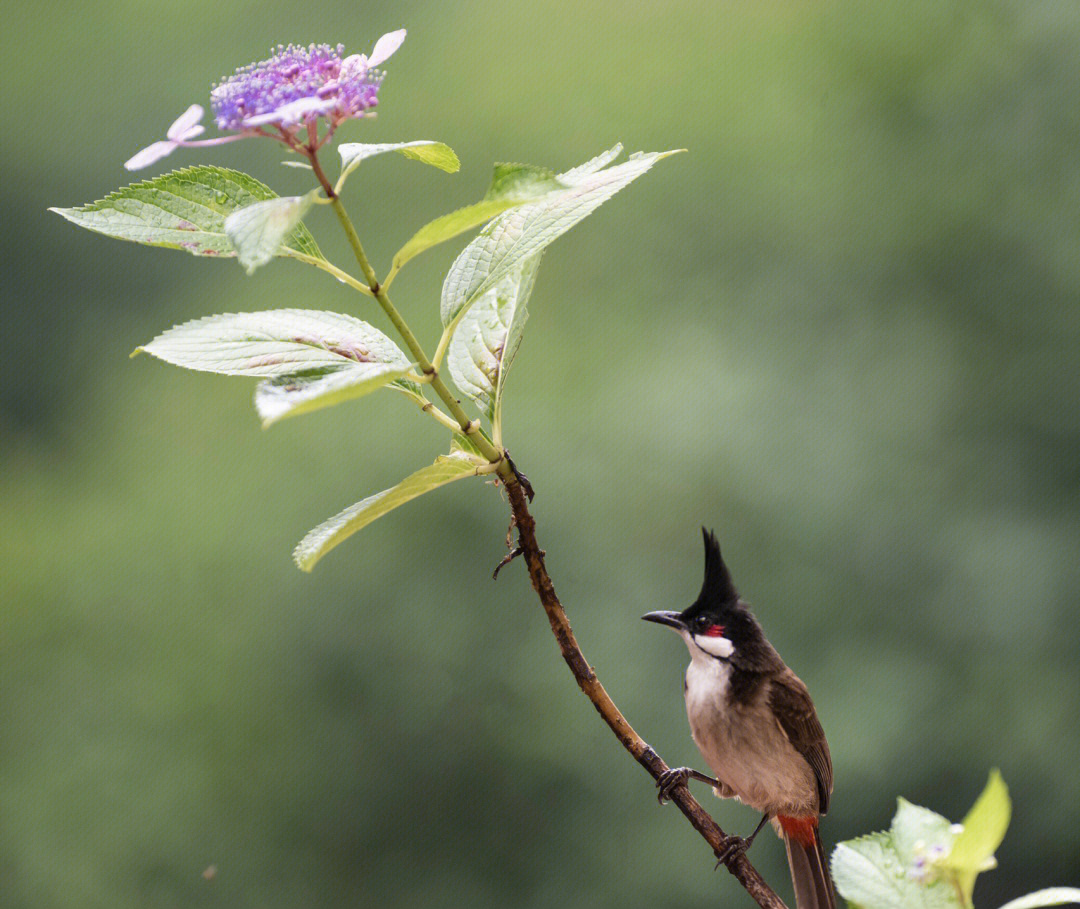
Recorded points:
(809,866)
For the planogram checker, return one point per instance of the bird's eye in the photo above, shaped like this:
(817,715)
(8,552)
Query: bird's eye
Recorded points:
(706,626)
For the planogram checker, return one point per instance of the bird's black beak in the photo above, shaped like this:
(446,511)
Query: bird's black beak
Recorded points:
(666,617)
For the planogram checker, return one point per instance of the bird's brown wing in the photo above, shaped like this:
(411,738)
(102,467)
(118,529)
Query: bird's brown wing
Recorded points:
(791,704)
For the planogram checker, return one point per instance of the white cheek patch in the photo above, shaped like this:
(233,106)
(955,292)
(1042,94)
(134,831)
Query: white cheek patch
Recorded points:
(717,647)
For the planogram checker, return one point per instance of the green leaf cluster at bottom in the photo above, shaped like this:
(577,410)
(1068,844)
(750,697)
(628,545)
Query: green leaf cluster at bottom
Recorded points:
(925,862)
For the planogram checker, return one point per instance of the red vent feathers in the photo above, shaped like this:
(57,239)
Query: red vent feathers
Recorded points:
(801,829)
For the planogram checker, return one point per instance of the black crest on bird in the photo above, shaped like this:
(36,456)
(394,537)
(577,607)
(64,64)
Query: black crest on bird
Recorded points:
(718,589)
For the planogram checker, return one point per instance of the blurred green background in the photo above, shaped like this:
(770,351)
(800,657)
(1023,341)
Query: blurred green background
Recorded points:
(842,330)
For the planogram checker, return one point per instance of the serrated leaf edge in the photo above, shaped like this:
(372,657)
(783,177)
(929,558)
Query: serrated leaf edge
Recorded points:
(188,170)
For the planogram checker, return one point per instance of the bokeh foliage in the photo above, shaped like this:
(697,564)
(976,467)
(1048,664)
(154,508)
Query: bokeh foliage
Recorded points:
(843,330)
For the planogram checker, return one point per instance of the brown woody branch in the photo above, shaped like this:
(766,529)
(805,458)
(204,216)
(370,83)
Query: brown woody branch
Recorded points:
(586,678)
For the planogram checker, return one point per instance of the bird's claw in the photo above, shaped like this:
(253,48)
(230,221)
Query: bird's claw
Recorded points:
(670,780)
(730,850)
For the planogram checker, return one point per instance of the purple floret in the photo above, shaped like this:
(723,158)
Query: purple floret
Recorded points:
(295,85)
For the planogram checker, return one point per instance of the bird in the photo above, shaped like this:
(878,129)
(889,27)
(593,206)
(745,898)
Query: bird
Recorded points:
(755,725)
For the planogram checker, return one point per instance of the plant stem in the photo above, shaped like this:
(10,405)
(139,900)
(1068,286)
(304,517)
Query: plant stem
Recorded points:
(587,681)
(469,427)
(332,269)
(373,283)
(439,417)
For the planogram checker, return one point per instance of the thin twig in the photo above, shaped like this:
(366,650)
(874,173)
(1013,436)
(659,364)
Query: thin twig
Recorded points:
(506,560)
(586,678)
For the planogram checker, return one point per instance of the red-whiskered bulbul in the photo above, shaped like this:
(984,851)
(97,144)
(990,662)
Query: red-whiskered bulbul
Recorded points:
(754,723)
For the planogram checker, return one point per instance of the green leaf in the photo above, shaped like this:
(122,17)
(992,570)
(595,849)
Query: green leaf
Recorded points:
(869,874)
(448,226)
(185,209)
(983,830)
(328,534)
(516,235)
(591,166)
(522,182)
(413,390)
(1052,896)
(919,833)
(461,442)
(436,154)
(511,185)
(297,393)
(257,231)
(277,342)
(487,338)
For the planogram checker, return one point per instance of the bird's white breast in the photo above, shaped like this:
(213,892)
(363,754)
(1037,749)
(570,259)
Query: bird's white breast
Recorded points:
(743,743)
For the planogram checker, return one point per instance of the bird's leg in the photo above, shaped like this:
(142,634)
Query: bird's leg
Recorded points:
(764,820)
(734,846)
(679,776)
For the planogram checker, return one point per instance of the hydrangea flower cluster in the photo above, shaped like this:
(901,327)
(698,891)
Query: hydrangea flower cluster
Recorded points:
(296,84)
(291,90)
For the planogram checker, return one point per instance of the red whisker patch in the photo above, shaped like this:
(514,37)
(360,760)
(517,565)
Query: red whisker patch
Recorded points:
(714,631)
(801,829)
